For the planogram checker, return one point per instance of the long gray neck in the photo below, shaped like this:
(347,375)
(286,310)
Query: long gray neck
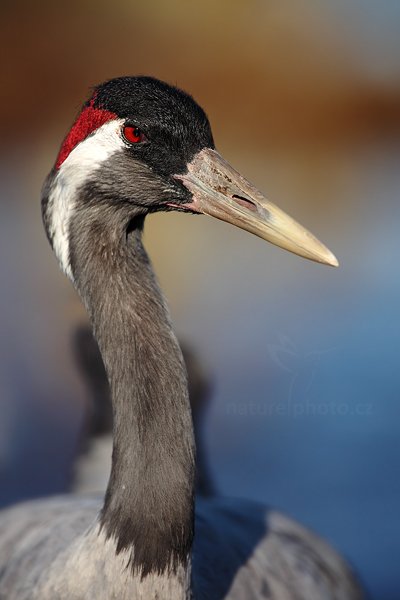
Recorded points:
(148,507)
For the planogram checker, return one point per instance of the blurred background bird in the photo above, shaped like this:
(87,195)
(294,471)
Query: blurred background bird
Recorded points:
(315,86)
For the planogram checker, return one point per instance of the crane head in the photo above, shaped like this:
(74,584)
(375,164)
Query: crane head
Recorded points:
(140,145)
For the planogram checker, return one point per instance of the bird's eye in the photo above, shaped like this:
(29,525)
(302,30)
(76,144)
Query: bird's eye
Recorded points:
(133,135)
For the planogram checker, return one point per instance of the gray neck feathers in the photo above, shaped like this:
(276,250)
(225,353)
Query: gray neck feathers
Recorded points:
(148,507)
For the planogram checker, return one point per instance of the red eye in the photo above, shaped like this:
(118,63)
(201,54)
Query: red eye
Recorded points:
(133,135)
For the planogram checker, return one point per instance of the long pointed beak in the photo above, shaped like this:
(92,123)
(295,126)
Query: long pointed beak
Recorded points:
(220,191)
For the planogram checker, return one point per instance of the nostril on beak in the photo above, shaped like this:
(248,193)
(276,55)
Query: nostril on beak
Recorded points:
(245,202)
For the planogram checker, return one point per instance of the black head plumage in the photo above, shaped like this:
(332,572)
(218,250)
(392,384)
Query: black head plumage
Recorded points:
(174,125)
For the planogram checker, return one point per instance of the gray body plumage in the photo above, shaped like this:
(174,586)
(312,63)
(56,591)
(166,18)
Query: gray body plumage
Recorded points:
(52,550)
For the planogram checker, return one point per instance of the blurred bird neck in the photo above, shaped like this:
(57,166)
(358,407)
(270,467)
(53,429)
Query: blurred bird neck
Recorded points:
(148,507)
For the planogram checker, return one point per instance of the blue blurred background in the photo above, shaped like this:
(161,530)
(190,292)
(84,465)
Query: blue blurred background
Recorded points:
(304,99)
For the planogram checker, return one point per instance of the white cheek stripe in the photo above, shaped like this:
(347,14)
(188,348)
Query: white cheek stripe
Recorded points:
(82,162)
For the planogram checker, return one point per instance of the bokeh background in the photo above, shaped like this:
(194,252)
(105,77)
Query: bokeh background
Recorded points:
(304,99)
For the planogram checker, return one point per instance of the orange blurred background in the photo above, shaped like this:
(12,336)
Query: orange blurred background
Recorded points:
(304,99)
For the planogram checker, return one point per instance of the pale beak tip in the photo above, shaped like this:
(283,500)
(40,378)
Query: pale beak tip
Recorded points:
(330,259)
